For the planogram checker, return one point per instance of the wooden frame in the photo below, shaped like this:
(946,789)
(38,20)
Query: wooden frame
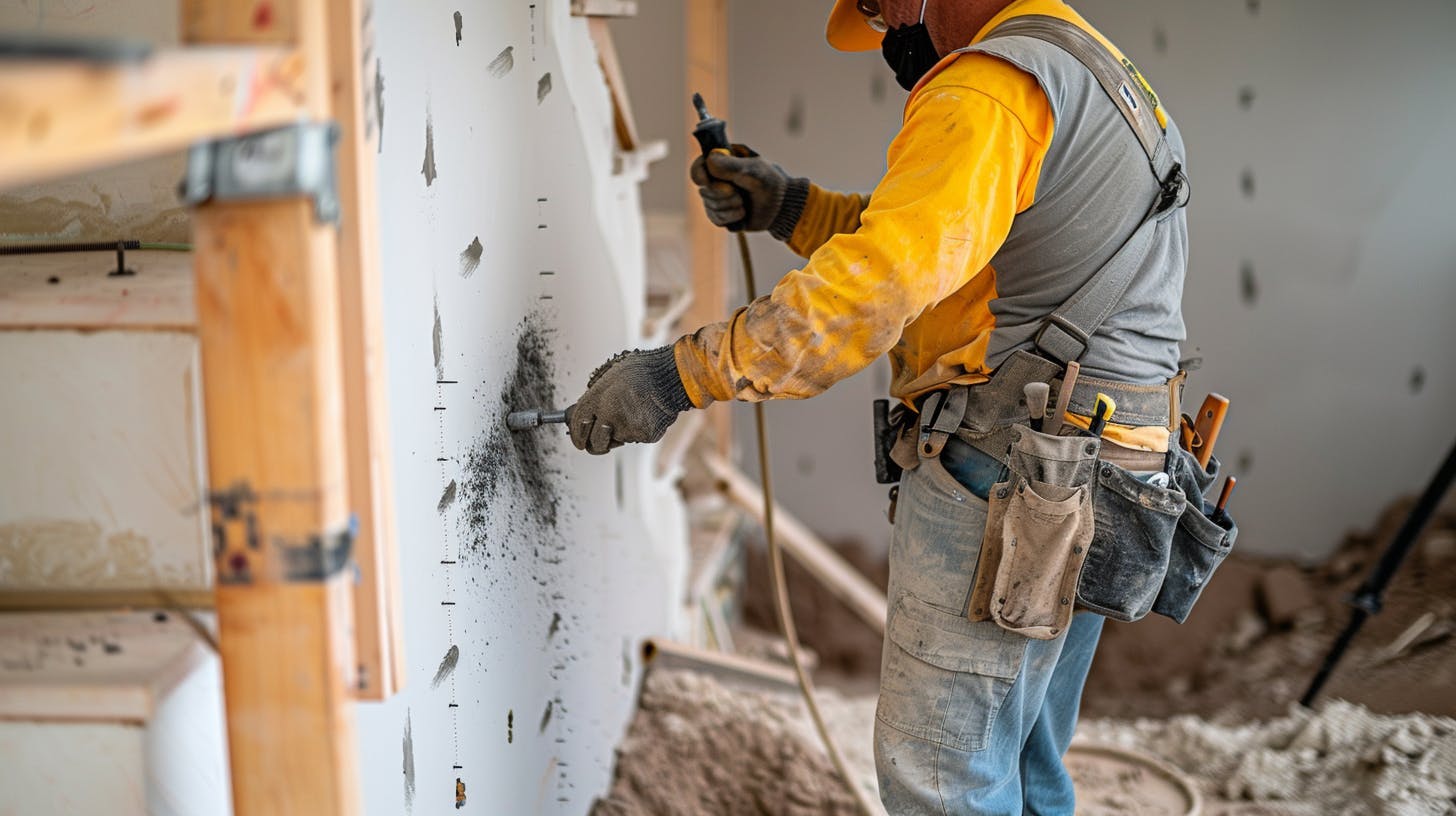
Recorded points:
(268,322)
(65,117)
(378,606)
(707,73)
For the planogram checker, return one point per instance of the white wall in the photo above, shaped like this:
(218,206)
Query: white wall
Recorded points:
(1338,367)
(556,563)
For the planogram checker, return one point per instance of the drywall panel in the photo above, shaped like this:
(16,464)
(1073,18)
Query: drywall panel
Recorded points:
(101,464)
(1321,279)
(513,265)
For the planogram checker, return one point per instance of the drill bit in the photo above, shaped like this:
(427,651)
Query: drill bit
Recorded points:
(522,420)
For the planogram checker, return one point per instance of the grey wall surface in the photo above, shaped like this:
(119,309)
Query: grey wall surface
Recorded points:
(1323,265)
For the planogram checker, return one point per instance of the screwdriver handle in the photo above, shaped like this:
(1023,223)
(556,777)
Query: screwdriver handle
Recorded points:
(712,134)
(1206,427)
(1223,495)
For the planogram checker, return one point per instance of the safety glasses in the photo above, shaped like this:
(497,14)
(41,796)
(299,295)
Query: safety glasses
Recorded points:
(873,18)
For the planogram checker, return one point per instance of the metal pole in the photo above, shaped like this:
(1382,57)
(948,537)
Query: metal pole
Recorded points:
(1368,599)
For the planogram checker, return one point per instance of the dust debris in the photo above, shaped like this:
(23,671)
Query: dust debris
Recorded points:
(459,793)
(459,24)
(470,257)
(447,497)
(543,87)
(437,342)
(513,473)
(878,86)
(447,666)
(546,716)
(794,122)
(555,625)
(1248,284)
(428,167)
(503,62)
(699,747)
(409,762)
(1341,760)
(511,725)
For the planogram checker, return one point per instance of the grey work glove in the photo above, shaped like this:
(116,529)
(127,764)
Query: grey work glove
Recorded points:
(632,397)
(775,200)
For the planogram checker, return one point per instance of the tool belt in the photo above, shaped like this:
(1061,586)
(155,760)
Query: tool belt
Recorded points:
(1073,522)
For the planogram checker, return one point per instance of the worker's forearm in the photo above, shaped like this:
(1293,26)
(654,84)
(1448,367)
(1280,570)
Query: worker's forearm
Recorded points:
(825,215)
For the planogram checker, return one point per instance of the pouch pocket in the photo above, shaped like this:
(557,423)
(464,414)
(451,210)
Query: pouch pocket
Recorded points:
(1045,536)
(945,678)
(1038,532)
(1131,542)
(1200,544)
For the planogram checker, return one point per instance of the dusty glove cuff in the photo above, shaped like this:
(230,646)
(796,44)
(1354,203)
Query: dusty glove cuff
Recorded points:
(796,195)
(663,366)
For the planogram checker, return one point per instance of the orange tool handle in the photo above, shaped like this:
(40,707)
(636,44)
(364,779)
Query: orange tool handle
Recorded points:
(1206,427)
(1223,497)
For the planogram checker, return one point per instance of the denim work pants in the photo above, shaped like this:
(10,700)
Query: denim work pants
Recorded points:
(972,719)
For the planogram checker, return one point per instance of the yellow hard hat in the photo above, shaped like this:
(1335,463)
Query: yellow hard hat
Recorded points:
(848,29)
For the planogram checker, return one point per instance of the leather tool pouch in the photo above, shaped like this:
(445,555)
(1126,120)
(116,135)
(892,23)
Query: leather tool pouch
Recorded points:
(1038,531)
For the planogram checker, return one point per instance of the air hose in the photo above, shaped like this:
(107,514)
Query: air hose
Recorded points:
(780,582)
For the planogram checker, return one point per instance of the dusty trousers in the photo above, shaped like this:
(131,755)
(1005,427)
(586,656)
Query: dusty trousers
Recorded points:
(972,718)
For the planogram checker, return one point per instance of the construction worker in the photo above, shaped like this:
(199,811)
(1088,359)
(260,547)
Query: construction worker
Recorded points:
(1017,178)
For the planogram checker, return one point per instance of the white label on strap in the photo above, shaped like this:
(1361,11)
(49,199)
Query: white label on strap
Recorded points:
(1128,95)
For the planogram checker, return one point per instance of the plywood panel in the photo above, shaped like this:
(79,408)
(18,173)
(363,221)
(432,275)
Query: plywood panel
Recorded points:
(102,481)
(513,266)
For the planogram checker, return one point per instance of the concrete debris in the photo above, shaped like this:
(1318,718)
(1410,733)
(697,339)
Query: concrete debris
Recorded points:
(697,748)
(1339,761)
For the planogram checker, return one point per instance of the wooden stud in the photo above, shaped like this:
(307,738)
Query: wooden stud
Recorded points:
(379,626)
(603,8)
(707,73)
(622,120)
(838,576)
(66,117)
(269,330)
(267,310)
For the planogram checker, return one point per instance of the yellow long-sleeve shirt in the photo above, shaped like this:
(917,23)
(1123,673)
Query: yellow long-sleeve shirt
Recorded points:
(907,274)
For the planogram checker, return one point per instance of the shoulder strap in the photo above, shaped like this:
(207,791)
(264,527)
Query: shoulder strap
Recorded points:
(1064,335)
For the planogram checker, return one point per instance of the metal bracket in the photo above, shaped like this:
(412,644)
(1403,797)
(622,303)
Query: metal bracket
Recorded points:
(289,161)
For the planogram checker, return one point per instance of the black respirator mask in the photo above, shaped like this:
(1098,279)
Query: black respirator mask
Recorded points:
(909,51)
